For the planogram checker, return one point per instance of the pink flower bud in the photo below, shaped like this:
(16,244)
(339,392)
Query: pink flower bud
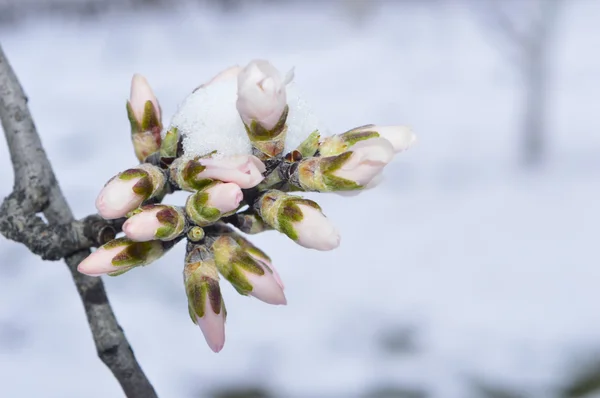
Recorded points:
(368,158)
(100,262)
(127,190)
(142,226)
(243,170)
(401,137)
(261,94)
(141,92)
(264,262)
(117,198)
(122,254)
(213,327)
(315,231)
(266,287)
(225,197)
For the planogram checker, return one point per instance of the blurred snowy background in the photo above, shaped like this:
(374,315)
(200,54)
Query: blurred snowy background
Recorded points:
(472,271)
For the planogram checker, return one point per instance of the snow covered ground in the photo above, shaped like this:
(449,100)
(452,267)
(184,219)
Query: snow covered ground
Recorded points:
(459,270)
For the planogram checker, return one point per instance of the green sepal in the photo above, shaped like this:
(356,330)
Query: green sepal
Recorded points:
(150,119)
(187,176)
(290,213)
(120,272)
(340,184)
(352,137)
(164,232)
(134,253)
(256,132)
(144,186)
(135,125)
(233,262)
(310,145)
(192,315)
(168,146)
(199,289)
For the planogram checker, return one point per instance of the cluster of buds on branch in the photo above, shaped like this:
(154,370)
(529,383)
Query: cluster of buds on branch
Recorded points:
(248,191)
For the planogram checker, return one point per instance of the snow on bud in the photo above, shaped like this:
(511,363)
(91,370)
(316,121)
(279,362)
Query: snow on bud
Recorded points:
(247,275)
(127,190)
(196,174)
(213,202)
(144,115)
(300,219)
(205,302)
(121,255)
(151,222)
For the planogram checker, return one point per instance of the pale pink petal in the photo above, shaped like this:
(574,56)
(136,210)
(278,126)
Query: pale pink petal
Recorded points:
(142,226)
(401,137)
(268,264)
(117,198)
(225,197)
(100,262)
(258,164)
(141,92)
(261,94)
(368,159)
(213,327)
(242,170)
(315,231)
(266,288)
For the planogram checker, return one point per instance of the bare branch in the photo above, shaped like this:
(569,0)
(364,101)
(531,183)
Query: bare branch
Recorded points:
(57,241)
(36,190)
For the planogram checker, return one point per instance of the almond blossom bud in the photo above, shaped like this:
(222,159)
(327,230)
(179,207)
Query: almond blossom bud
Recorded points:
(213,202)
(366,160)
(300,219)
(127,190)
(401,138)
(259,256)
(247,275)
(197,173)
(262,105)
(351,170)
(121,255)
(152,222)
(145,118)
(205,302)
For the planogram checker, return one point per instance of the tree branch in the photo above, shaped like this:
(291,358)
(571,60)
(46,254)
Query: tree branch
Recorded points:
(36,190)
